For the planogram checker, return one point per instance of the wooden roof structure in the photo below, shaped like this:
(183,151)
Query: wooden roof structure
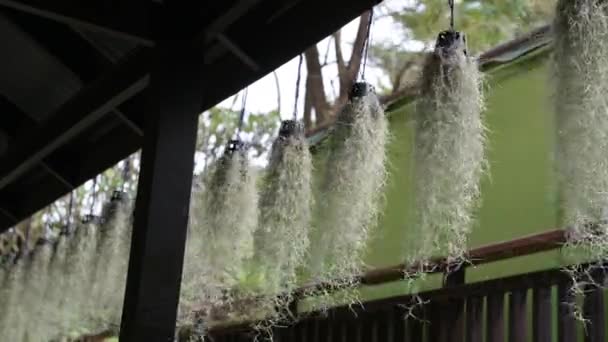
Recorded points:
(85,84)
(74,77)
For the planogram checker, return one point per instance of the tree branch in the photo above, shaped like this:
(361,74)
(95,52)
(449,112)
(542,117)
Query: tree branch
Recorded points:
(314,84)
(276,82)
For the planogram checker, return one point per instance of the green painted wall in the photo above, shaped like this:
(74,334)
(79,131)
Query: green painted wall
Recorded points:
(519,197)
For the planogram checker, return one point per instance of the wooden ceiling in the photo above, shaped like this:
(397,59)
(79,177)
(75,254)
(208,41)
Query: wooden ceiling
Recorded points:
(73,76)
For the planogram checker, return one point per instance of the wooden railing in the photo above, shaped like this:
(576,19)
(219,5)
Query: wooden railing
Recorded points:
(456,312)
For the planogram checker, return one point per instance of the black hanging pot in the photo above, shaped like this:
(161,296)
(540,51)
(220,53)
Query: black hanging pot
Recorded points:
(450,41)
(290,128)
(360,89)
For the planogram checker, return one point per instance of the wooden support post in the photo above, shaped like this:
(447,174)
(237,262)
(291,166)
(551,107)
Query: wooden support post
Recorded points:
(518,316)
(163,197)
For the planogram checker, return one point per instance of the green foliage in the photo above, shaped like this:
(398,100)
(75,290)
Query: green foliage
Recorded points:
(486,23)
(218,125)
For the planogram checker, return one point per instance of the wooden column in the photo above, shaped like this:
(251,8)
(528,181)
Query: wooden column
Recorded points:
(163,197)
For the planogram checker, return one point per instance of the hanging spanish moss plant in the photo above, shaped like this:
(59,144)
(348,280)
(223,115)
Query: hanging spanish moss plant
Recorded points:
(449,158)
(352,188)
(114,241)
(80,272)
(581,105)
(68,286)
(223,223)
(36,283)
(282,238)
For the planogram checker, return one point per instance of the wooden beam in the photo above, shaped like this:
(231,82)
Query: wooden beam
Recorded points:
(121,19)
(88,106)
(320,19)
(162,205)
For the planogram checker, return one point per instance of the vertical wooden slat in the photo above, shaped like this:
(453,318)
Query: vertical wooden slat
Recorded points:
(368,327)
(353,330)
(435,328)
(495,331)
(323,330)
(474,320)
(566,322)
(399,326)
(594,311)
(276,336)
(541,315)
(415,325)
(453,320)
(303,331)
(336,330)
(384,326)
(518,320)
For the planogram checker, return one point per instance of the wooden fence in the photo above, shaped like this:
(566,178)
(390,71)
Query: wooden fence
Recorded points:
(534,307)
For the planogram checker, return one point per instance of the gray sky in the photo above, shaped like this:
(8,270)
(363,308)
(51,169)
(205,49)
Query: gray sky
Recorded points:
(262,95)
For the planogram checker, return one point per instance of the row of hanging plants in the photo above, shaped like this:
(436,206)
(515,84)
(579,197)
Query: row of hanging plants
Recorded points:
(253,235)
(580,73)
(449,164)
(72,285)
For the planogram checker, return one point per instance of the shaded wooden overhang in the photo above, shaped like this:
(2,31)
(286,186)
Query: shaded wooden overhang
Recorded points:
(103,55)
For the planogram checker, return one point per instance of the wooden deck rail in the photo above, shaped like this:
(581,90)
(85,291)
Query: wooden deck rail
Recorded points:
(527,245)
(456,314)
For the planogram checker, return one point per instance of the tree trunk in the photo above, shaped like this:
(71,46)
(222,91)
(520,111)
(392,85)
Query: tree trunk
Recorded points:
(314,85)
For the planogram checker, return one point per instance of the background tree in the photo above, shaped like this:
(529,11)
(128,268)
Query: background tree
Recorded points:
(486,24)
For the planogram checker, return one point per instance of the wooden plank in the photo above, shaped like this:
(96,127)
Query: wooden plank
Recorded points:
(453,317)
(125,19)
(323,334)
(474,319)
(368,328)
(542,326)
(518,316)
(435,327)
(526,245)
(594,310)
(353,332)
(81,112)
(416,325)
(566,322)
(163,196)
(338,331)
(495,330)
(385,320)
(399,326)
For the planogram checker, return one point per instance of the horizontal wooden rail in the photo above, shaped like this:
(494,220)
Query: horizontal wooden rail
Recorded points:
(527,245)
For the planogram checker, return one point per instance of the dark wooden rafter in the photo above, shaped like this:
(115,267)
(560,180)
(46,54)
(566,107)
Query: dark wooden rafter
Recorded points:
(121,19)
(93,102)
(298,15)
(76,53)
(128,77)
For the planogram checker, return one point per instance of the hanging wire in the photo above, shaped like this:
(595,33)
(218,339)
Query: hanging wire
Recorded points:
(126,171)
(451,4)
(295,105)
(242,114)
(92,209)
(367,43)
(69,216)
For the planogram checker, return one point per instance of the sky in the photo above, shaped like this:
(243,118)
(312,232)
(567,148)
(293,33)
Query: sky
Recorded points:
(262,95)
